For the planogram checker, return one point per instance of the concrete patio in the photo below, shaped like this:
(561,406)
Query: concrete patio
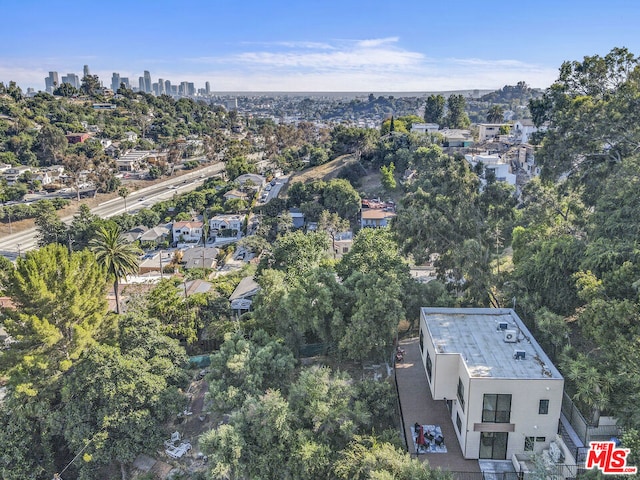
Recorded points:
(418,406)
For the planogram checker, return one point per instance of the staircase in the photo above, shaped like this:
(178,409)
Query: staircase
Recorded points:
(572,441)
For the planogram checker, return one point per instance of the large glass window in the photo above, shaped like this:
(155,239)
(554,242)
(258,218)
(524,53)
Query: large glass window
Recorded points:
(421,341)
(493,445)
(458,422)
(429,366)
(496,408)
(529,442)
(543,407)
(461,393)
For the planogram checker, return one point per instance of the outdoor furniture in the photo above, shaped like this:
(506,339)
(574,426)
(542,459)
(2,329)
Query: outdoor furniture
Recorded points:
(179,451)
(175,437)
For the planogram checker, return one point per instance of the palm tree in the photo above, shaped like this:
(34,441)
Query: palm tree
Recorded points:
(495,114)
(124,193)
(116,255)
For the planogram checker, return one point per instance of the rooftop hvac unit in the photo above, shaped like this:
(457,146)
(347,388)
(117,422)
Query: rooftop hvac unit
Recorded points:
(519,354)
(510,336)
(503,325)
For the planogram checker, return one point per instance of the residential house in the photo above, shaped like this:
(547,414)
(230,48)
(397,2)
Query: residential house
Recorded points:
(195,286)
(226,225)
(424,128)
(242,297)
(105,142)
(200,257)
(257,180)
(489,131)
(43,176)
(456,137)
(526,160)
(187,232)
(375,217)
(494,163)
(77,137)
(154,262)
(341,243)
(155,236)
(131,136)
(503,393)
(522,130)
(235,194)
(297,217)
(135,233)
(11,175)
(132,161)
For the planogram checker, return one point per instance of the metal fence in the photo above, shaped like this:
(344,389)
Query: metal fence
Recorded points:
(586,432)
(558,472)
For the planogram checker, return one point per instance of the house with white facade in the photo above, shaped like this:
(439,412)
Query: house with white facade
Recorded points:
(187,232)
(221,224)
(522,130)
(424,128)
(11,175)
(375,218)
(489,131)
(494,163)
(242,297)
(503,394)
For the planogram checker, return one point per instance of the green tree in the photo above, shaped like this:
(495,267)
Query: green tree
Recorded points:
(495,114)
(123,192)
(117,398)
(339,196)
(388,180)
(456,114)
(50,144)
(49,227)
(434,109)
(245,368)
(118,257)
(61,307)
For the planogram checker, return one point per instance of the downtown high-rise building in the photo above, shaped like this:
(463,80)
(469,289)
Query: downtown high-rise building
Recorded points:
(147,81)
(141,87)
(167,87)
(207,88)
(85,71)
(125,81)
(51,82)
(115,81)
(160,86)
(72,79)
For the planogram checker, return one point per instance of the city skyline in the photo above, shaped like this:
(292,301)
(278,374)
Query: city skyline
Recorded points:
(314,46)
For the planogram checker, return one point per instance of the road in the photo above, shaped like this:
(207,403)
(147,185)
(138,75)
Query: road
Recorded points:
(18,243)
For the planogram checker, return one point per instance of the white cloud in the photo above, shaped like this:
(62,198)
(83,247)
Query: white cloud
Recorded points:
(378,65)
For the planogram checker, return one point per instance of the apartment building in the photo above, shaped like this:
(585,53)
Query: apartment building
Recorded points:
(503,393)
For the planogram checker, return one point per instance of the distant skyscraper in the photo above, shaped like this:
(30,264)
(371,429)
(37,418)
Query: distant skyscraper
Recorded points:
(160,86)
(125,81)
(72,79)
(207,88)
(115,81)
(147,81)
(155,89)
(167,87)
(85,71)
(51,82)
(141,84)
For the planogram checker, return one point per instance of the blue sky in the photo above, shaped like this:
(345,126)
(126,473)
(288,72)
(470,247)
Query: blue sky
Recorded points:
(368,46)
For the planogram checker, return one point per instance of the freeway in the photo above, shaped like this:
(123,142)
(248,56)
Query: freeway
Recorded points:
(13,245)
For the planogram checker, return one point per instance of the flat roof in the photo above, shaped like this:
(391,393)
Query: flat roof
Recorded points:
(476,335)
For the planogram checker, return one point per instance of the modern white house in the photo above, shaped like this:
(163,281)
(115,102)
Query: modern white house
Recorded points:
(503,393)
(424,128)
(522,130)
(495,163)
